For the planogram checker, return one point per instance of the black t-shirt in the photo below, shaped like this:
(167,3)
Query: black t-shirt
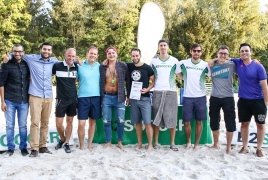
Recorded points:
(140,74)
(66,88)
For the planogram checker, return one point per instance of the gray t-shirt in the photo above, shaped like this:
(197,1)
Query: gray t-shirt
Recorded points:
(222,79)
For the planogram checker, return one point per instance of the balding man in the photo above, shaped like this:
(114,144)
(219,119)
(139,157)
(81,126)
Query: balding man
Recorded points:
(66,101)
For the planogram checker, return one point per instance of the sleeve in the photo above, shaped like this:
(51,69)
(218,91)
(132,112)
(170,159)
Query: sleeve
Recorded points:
(261,72)
(178,67)
(127,79)
(150,71)
(54,69)
(209,70)
(3,74)
(235,60)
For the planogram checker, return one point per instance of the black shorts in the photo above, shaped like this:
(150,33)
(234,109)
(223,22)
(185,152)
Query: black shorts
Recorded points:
(67,107)
(228,106)
(248,108)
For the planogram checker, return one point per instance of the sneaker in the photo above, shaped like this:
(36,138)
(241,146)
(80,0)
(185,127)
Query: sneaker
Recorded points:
(243,151)
(34,153)
(24,152)
(8,153)
(44,150)
(59,145)
(259,153)
(66,147)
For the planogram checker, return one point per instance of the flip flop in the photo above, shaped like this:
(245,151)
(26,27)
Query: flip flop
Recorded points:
(156,146)
(174,148)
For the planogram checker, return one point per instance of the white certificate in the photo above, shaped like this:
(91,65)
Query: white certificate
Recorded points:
(135,92)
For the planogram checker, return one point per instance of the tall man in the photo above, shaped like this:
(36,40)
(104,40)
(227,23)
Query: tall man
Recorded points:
(40,99)
(14,85)
(112,79)
(89,101)
(66,101)
(165,100)
(253,96)
(140,109)
(194,97)
(222,96)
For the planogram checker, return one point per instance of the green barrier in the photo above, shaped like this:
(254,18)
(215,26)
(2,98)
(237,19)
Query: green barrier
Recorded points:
(164,138)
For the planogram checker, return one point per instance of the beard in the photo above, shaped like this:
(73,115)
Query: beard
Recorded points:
(137,61)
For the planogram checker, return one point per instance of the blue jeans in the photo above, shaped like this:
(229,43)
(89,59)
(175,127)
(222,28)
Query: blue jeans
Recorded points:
(22,113)
(108,104)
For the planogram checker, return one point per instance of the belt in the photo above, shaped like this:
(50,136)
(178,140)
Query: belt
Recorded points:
(111,94)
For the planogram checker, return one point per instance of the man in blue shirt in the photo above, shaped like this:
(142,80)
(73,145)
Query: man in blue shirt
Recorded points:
(14,85)
(40,96)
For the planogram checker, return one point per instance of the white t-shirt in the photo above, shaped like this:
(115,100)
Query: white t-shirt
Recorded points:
(164,72)
(194,77)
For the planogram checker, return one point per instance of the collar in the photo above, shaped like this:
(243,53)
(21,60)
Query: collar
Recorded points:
(40,58)
(65,64)
(85,62)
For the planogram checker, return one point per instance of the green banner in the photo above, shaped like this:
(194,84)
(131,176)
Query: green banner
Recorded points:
(164,138)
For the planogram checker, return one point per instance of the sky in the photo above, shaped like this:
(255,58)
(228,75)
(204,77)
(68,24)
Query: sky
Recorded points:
(262,4)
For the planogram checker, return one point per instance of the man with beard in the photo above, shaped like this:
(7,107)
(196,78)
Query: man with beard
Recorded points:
(113,77)
(14,85)
(66,99)
(40,96)
(194,97)
(140,108)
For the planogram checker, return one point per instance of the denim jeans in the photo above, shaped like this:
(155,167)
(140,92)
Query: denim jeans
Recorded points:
(22,113)
(108,104)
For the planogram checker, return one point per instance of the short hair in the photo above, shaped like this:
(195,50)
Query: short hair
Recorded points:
(135,49)
(93,46)
(245,44)
(163,40)
(223,47)
(70,49)
(46,44)
(195,46)
(18,45)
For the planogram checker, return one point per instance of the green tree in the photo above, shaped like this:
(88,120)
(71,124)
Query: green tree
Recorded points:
(14,19)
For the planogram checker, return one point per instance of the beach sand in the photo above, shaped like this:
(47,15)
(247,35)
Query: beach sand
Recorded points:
(113,163)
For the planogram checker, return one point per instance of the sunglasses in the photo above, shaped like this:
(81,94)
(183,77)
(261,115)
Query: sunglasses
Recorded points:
(199,51)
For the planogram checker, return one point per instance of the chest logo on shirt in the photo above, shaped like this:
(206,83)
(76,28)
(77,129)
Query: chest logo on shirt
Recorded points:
(136,75)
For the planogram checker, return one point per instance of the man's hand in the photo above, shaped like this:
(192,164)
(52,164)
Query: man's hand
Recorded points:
(6,58)
(3,106)
(79,61)
(211,62)
(105,62)
(144,90)
(256,61)
(127,102)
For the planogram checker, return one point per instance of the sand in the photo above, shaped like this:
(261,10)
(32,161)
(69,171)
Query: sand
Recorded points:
(113,163)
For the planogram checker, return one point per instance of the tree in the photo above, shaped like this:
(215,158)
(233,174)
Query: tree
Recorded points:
(14,20)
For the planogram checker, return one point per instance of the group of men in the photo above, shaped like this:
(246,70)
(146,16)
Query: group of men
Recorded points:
(101,88)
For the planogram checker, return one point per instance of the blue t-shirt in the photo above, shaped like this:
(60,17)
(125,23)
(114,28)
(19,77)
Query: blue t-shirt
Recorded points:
(89,80)
(249,79)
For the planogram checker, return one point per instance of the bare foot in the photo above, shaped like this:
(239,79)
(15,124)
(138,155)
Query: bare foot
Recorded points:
(90,148)
(139,146)
(150,148)
(228,151)
(120,145)
(187,145)
(107,145)
(215,146)
(81,147)
(195,147)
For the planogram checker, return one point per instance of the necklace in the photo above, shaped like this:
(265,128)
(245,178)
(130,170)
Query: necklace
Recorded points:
(112,73)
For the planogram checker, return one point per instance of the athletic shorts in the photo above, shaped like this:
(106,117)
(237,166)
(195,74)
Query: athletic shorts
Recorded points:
(140,110)
(228,106)
(194,108)
(248,108)
(67,107)
(89,107)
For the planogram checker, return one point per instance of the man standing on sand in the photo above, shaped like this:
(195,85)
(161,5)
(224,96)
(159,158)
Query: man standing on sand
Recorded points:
(66,101)
(222,96)
(253,96)
(89,101)
(113,76)
(194,97)
(140,108)
(40,96)
(165,99)
(14,85)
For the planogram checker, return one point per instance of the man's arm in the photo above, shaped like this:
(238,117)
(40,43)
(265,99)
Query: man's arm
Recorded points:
(264,90)
(179,75)
(145,90)
(3,104)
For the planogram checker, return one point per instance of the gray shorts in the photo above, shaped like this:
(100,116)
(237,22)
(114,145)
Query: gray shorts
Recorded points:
(140,110)
(194,108)
(166,117)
